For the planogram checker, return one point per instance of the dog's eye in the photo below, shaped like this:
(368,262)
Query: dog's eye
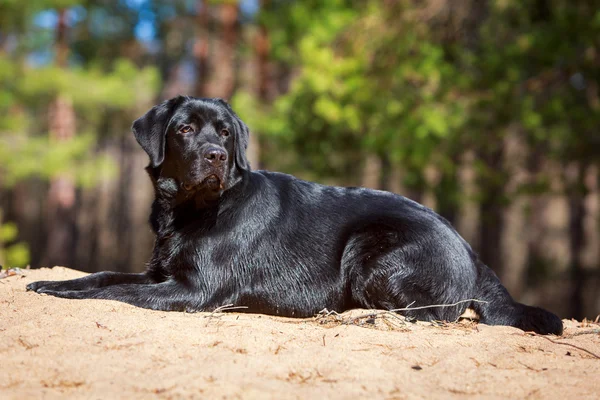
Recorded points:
(224,132)
(185,129)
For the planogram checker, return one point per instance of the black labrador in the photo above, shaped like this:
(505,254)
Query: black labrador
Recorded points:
(279,245)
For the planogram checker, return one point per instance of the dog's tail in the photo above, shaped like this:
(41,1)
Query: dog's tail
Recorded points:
(499,308)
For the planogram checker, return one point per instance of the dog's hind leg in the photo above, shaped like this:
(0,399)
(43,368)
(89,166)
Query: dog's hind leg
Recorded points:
(414,295)
(92,281)
(427,283)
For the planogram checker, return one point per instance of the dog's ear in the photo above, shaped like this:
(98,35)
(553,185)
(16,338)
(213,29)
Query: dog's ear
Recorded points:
(241,138)
(241,144)
(150,130)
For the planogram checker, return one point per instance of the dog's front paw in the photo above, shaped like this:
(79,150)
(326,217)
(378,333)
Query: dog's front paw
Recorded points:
(41,286)
(35,286)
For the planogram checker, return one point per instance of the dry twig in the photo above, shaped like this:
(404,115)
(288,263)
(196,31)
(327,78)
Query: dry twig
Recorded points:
(374,314)
(567,344)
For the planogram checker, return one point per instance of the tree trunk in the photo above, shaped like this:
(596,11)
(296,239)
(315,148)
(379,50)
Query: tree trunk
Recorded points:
(225,71)
(415,188)
(386,170)
(576,198)
(215,57)
(61,194)
(535,220)
(447,192)
(201,49)
(371,173)
(222,61)
(491,207)
(262,46)
(122,207)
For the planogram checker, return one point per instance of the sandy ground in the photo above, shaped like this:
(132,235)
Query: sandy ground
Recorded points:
(56,348)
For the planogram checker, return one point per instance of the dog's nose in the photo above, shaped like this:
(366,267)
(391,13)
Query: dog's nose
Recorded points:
(215,156)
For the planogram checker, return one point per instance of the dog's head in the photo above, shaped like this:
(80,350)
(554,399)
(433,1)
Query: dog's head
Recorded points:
(199,143)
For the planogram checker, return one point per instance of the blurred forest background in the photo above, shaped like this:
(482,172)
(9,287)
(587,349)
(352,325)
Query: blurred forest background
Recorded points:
(487,111)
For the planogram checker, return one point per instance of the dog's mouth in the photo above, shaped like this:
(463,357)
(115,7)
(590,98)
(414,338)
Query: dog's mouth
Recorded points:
(211,182)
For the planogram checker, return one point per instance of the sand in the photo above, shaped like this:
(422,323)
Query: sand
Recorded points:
(57,348)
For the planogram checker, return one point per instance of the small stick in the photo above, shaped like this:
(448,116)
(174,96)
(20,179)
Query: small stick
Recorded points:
(227,307)
(568,344)
(409,308)
(592,332)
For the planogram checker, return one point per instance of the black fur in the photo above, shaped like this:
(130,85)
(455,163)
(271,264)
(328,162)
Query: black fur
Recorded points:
(280,245)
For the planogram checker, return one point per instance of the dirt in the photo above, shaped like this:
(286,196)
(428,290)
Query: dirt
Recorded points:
(56,348)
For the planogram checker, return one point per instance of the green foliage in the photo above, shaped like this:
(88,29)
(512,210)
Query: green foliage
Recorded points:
(42,158)
(8,232)
(93,94)
(373,79)
(91,88)
(98,90)
(538,60)
(16,254)
(383,78)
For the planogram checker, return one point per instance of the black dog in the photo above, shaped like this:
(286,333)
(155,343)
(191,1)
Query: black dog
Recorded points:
(279,245)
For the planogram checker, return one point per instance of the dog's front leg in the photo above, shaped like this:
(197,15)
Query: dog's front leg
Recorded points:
(166,296)
(92,281)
